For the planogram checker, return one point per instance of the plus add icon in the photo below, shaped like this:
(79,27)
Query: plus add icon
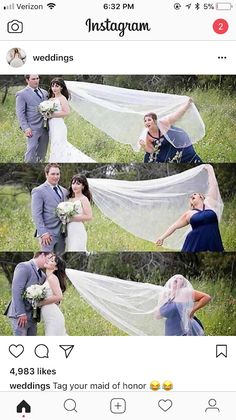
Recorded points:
(118,405)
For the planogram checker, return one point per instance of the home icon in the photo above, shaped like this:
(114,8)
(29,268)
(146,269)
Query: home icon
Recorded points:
(25,405)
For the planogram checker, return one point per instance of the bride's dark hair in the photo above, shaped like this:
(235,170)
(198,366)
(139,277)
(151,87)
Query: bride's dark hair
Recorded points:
(60,272)
(80,179)
(60,82)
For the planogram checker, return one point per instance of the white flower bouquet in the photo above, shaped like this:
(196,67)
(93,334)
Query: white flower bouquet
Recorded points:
(46,109)
(65,211)
(34,294)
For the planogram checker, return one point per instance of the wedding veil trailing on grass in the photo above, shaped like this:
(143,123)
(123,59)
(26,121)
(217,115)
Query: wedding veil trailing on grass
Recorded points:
(147,208)
(179,290)
(128,305)
(135,307)
(119,112)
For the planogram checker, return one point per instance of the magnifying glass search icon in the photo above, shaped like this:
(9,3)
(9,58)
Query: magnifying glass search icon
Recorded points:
(70,405)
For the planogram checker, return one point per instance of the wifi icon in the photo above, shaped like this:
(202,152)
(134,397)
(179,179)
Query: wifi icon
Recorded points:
(51,5)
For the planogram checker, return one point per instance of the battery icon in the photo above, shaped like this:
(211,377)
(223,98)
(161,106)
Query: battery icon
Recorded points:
(223,6)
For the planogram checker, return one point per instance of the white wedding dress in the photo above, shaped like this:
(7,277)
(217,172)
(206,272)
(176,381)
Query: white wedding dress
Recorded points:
(76,240)
(52,317)
(60,149)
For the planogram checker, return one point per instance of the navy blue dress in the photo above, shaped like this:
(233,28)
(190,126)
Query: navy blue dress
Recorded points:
(164,151)
(205,233)
(173,324)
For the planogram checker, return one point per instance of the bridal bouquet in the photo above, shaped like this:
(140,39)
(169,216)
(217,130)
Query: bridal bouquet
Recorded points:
(46,109)
(65,211)
(34,294)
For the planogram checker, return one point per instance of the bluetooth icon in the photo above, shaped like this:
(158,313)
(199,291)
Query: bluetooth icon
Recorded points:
(197,6)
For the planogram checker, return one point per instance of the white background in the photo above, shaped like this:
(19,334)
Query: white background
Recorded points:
(189,362)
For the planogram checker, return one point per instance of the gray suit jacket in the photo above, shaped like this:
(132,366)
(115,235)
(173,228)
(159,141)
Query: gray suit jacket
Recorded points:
(25,275)
(27,102)
(44,203)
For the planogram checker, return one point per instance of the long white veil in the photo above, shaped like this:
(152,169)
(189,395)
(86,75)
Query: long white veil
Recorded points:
(179,291)
(127,304)
(135,307)
(147,208)
(119,112)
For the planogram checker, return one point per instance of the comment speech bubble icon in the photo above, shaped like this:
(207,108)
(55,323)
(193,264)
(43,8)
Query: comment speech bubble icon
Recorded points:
(42,351)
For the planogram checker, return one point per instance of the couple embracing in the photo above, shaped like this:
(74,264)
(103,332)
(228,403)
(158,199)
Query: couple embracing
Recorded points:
(41,117)
(59,214)
(37,290)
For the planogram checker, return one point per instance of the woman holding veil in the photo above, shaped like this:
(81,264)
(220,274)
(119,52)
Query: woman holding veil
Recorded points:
(178,303)
(61,149)
(163,142)
(119,111)
(52,317)
(80,195)
(205,233)
(143,308)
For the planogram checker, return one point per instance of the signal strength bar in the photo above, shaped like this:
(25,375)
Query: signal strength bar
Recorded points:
(9,7)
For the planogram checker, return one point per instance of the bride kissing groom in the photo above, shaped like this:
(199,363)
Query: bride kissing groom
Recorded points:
(36,295)
(47,209)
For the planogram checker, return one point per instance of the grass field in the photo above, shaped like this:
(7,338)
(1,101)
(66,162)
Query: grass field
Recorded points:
(17,229)
(82,320)
(217,109)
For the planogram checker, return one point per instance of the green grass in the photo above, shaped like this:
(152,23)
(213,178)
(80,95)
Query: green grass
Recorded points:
(217,110)
(80,318)
(17,229)
(218,317)
(81,134)
(5,297)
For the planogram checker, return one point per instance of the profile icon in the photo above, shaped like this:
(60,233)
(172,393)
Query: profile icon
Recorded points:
(16,57)
(212,406)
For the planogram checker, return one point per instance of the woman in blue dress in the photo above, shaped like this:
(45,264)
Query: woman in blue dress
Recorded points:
(177,304)
(205,233)
(163,142)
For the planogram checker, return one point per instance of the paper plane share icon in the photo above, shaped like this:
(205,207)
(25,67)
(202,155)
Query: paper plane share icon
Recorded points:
(67,349)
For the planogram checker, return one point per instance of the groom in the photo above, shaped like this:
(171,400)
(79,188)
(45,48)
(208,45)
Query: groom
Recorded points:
(45,199)
(30,119)
(19,310)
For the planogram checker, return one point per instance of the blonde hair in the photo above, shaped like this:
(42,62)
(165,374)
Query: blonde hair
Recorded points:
(201,195)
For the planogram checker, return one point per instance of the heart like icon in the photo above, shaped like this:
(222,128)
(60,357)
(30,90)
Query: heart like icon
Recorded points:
(165,405)
(16,351)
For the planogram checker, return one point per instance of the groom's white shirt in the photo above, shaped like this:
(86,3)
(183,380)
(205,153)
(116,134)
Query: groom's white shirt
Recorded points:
(53,186)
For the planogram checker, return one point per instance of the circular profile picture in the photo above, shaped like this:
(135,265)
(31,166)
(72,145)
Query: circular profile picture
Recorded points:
(16,57)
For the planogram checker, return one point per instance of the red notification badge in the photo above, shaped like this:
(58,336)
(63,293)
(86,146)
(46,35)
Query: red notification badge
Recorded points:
(220,26)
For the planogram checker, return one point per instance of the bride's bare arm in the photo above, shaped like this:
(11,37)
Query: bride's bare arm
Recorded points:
(87,212)
(181,222)
(65,109)
(57,295)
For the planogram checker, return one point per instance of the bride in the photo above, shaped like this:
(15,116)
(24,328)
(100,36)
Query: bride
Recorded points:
(51,315)
(61,149)
(79,194)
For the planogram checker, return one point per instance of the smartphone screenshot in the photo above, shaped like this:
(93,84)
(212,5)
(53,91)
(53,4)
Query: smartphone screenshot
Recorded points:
(117,209)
